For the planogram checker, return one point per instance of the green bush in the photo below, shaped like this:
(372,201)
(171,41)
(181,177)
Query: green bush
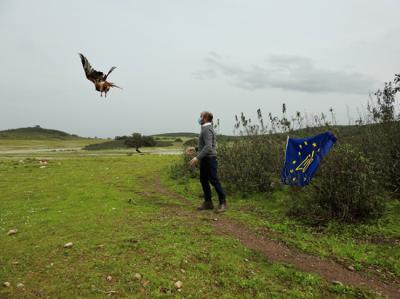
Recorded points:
(182,170)
(251,163)
(381,143)
(191,142)
(163,143)
(345,188)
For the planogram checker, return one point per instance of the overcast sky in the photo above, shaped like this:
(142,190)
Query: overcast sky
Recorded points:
(176,58)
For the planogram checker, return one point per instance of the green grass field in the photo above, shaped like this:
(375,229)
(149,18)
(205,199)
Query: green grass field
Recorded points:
(370,246)
(131,239)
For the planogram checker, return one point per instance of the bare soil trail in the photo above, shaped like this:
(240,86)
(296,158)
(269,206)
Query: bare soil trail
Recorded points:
(276,251)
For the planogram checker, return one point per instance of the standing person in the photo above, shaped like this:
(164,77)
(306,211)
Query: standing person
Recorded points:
(207,157)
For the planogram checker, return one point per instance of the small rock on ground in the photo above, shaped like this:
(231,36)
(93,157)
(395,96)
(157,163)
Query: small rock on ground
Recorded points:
(138,276)
(12,232)
(178,284)
(20,285)
(68,245)
(337,282)
(6,284)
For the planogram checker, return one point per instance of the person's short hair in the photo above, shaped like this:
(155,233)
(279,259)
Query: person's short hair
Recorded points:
(208,116)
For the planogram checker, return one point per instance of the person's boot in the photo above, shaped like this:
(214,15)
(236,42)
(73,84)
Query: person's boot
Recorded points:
(206,205)
(221,207)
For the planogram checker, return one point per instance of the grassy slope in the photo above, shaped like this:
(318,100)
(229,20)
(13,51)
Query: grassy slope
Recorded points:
(363,246)
(36,133)
(35,138)
(36,144)
(111,202)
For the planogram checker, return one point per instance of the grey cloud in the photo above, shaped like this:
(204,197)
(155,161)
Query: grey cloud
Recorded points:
(287,73)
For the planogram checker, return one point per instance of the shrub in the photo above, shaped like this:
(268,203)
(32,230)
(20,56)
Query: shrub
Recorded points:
(251,163)
(182,170)
(345,188)
(163,143)
(382,139)
(381,143)
(190,142)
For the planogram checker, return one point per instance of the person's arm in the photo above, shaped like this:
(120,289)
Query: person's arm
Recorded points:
(207,137)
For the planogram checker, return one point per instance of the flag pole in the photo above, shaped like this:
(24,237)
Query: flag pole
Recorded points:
(287,142)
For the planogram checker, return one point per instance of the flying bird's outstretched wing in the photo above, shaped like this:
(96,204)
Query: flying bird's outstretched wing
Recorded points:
(90,72)
(109,72)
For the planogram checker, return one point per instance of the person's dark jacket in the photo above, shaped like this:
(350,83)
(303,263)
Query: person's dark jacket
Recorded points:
(207,146)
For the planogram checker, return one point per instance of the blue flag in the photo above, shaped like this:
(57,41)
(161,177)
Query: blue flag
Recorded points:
(303,156)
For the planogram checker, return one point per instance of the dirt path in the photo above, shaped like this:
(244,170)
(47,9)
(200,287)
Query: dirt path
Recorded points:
(276,251)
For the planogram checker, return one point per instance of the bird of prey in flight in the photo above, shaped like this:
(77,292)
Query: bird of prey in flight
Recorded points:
(98,78)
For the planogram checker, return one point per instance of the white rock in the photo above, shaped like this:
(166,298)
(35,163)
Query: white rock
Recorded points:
(178,284)
(109,278)
(351,268)
(138,276)
(20,285)
(6,284)
(12,232)
(68,245)
(337,282)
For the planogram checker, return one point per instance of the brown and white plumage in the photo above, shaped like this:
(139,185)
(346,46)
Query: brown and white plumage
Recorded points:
(98,78)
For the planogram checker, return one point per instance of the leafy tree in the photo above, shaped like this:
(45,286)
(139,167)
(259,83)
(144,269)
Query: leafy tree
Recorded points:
(136,141)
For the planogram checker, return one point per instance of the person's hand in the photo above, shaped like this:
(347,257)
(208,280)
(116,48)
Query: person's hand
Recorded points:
(194,161)
(190,151)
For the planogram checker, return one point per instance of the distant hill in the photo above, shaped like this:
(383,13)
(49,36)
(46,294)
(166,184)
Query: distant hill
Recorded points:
(36,133)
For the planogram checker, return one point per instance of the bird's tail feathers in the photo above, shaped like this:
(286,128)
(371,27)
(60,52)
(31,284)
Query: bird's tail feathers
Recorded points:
(113,85)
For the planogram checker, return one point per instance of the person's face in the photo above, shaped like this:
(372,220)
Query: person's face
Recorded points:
(201,119)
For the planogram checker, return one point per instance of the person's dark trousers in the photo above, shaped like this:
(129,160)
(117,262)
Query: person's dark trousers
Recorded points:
(208,174)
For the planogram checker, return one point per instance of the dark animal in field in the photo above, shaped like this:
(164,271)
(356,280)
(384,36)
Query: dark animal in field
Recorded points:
(98,78)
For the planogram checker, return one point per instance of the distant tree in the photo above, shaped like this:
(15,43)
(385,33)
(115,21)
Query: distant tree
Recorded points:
(121,137)
(136,141)
(178,140)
